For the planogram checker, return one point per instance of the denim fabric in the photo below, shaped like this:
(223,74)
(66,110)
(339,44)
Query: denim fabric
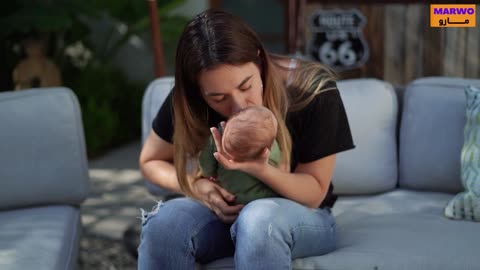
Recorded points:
(268,234)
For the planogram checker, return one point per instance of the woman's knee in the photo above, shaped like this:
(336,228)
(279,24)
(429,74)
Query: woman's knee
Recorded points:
(261,219)
(182,229)
(264,211)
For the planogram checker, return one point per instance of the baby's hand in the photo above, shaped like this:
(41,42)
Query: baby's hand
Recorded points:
(252,167)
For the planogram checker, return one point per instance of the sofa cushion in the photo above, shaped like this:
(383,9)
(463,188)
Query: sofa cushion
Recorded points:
(345,203)
(401,230)
(431,134)
(154,96)
(371,167)
(466,205)
(39,238)
(371,107)
(156,93)
(42,150)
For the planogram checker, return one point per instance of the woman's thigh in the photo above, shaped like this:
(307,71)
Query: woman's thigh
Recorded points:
(185,226)
(305,231)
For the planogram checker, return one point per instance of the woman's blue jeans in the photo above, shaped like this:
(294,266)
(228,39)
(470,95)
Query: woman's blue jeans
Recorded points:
(267,234)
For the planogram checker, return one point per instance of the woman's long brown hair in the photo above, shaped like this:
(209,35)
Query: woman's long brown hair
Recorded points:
(214,38)
(305,80)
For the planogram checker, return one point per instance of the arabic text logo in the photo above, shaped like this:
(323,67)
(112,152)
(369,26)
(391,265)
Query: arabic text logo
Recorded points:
(452,16)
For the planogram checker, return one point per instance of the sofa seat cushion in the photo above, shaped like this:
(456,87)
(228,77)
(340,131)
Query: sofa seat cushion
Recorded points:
(401,230)
(39,238)
(396,230)
(345,203)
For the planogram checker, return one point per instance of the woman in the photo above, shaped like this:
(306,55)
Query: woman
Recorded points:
(221,68)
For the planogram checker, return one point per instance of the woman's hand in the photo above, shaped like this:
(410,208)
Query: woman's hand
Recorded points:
(251,167)
(217,199)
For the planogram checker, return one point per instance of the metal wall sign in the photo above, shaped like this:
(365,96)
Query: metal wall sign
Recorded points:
(337,40)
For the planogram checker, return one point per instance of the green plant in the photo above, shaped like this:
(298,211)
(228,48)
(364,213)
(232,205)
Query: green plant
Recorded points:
(110,104)
(134,14)
(23,17)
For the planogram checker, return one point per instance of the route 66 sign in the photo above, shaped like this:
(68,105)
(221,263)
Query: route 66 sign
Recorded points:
(337,40)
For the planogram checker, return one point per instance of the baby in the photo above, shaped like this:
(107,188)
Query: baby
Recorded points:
(246,135)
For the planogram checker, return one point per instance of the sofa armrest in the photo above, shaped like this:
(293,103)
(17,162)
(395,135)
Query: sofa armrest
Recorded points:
(42,149)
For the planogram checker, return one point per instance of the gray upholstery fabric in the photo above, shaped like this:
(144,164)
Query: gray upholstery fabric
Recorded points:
(401,230)
(431,134)
(345,203)
(153,99)
(397,230)
(42,154)
(371,167)
(43,238)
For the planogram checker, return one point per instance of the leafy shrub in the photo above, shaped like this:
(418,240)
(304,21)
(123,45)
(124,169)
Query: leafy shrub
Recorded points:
(111,106)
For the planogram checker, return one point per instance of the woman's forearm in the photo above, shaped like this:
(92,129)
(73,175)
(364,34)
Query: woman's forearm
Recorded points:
(300,187)
(161,173)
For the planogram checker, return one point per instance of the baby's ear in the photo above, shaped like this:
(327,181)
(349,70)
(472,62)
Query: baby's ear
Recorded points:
(266,153)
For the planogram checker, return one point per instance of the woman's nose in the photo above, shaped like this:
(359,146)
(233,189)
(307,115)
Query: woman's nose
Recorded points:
(238,104)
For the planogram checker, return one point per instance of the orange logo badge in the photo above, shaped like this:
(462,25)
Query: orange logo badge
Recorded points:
(452,15)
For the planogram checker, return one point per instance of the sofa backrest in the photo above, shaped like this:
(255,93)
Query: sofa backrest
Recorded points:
(371,167)
(153,99)
(42,149)
(431,134)
(371,106)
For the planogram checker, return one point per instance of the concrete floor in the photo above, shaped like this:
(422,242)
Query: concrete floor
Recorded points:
(117,193)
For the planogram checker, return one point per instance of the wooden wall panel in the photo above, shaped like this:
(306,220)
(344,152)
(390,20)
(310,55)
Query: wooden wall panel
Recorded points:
(472,51)
(415,23)
(404,47)
(394,54)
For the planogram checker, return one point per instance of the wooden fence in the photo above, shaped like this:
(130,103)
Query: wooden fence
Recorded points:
(403,46)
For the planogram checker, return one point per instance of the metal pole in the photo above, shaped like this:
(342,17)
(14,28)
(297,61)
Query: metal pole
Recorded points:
(291,25)
(156,39)
(300,29)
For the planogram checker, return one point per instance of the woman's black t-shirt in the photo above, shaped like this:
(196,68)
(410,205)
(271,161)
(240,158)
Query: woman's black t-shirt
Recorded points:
(318,130)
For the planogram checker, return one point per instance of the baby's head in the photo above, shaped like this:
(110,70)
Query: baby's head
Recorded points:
(248,132)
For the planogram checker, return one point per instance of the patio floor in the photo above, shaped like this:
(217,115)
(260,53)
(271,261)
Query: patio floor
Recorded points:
(117,193)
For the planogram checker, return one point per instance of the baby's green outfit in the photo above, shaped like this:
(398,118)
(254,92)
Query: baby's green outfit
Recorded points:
(245,187)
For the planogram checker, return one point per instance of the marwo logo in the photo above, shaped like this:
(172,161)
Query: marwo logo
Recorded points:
(452,15)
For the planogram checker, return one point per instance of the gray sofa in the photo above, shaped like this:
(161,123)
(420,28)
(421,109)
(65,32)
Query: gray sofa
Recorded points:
(394,185)
(43,179)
